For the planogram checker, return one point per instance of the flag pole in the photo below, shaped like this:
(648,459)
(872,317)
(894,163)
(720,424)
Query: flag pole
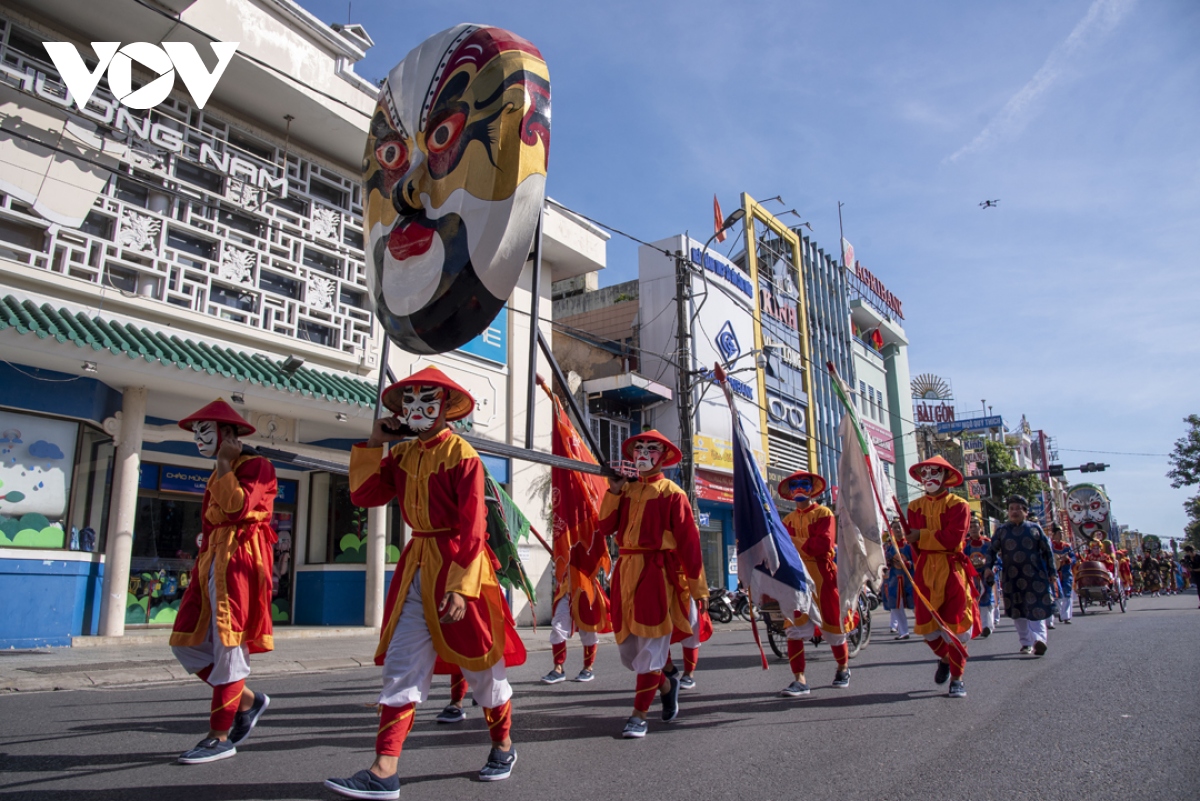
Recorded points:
(719,374)
(937,619)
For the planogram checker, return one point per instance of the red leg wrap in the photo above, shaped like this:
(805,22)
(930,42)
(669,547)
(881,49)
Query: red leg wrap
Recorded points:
(841,653)
(690,657)
(204,674)
(395,722)
(458,688)
(669,667)
(796,655)
(647,686)
(560,652)
(499,721)
(938,646)
(958,660)
(589,656)
(226,699)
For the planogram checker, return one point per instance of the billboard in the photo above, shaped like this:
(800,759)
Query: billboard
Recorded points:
(722,320)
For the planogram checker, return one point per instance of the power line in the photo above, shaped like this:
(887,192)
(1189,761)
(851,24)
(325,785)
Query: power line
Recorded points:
(1111,453)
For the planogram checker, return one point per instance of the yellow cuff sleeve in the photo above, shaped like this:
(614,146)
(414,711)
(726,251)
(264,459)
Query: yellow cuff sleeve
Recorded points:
(468,581)
(364,464)
(227,493)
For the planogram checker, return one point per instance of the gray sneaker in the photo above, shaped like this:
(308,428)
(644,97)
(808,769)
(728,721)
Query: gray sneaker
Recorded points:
(794,690)
(244,722)
(841,679)
(635,728)
(554,677)
(452,714)
(687,683)
(208,750)
(366,785)
(957,689)
(499,765)
(587,674)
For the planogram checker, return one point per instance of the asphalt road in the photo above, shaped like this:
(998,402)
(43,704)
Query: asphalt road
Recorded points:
(1111,712)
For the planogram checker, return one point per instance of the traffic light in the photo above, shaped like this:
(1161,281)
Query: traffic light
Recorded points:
(1092,467)
(1056,471)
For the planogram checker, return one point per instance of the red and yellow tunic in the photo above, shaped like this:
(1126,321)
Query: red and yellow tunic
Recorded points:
(660,568)
(235,546)
(814,532)
(440,486)
(943,573)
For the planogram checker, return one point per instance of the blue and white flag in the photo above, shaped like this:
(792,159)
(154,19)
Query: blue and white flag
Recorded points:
(768,563)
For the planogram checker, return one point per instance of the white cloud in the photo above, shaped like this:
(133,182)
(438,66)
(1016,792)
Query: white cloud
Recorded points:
(1101,18)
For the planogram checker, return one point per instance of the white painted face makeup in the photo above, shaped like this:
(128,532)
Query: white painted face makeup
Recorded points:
(420,407)
(932,479)
(207,436)
(647,455)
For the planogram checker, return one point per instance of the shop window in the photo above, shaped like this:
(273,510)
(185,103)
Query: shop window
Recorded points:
(191,244)
(168,524)
(609,435)
(322,261)
(90,499)
(37,464)
(197,175)
(337,529)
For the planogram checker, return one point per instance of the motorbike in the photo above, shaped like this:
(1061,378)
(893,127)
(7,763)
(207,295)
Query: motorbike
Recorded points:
(720,609)
(740,600)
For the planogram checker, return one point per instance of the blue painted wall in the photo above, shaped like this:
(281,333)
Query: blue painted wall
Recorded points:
(23,387)
(46,602)
(333,597)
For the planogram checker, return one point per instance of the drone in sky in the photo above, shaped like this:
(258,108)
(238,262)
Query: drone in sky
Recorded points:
(989,204)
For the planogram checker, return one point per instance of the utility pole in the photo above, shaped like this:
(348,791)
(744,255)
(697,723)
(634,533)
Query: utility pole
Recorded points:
(683,340)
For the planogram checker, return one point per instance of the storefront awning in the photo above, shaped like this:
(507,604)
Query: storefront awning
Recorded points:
(94,334)
(628,388)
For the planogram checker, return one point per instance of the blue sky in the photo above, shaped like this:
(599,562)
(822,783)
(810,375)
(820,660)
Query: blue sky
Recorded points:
(1074,302)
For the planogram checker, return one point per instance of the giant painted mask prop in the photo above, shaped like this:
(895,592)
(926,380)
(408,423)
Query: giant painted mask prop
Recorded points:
(1088,509)
(454,176)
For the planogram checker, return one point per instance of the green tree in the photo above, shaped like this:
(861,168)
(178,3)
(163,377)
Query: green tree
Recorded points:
(1000,460)
(1185,472)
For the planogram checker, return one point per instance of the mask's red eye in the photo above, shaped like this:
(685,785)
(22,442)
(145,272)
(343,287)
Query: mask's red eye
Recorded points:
(392,155)
(446,132)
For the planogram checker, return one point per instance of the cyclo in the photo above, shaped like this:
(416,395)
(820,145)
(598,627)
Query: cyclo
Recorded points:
(1096,584)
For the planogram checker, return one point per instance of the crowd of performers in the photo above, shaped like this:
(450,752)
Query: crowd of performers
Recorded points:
(446,613)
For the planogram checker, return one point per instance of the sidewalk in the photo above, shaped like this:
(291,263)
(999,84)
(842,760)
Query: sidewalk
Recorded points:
(143,657)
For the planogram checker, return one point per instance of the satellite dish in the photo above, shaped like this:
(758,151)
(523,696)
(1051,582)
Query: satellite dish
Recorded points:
(454,177)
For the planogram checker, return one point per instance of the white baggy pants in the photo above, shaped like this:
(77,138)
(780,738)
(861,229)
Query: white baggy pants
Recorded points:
(561,623)
(229,663)
(1064,606)
(408,665)
(900,622)
(1030,631)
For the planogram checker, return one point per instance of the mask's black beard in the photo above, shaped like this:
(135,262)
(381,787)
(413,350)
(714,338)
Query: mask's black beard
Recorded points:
(461,306)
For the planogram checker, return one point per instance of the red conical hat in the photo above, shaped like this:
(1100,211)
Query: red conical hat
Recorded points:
(221,413)
(672,456)
(786,493)
(459,402)
(953,477)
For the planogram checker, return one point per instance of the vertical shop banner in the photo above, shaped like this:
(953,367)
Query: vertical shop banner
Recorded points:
(975,462)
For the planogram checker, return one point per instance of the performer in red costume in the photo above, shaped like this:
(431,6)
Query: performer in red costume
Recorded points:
(580,603)
(225,613)
(814,531)
(659,569)
(444,607)
(944,576)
